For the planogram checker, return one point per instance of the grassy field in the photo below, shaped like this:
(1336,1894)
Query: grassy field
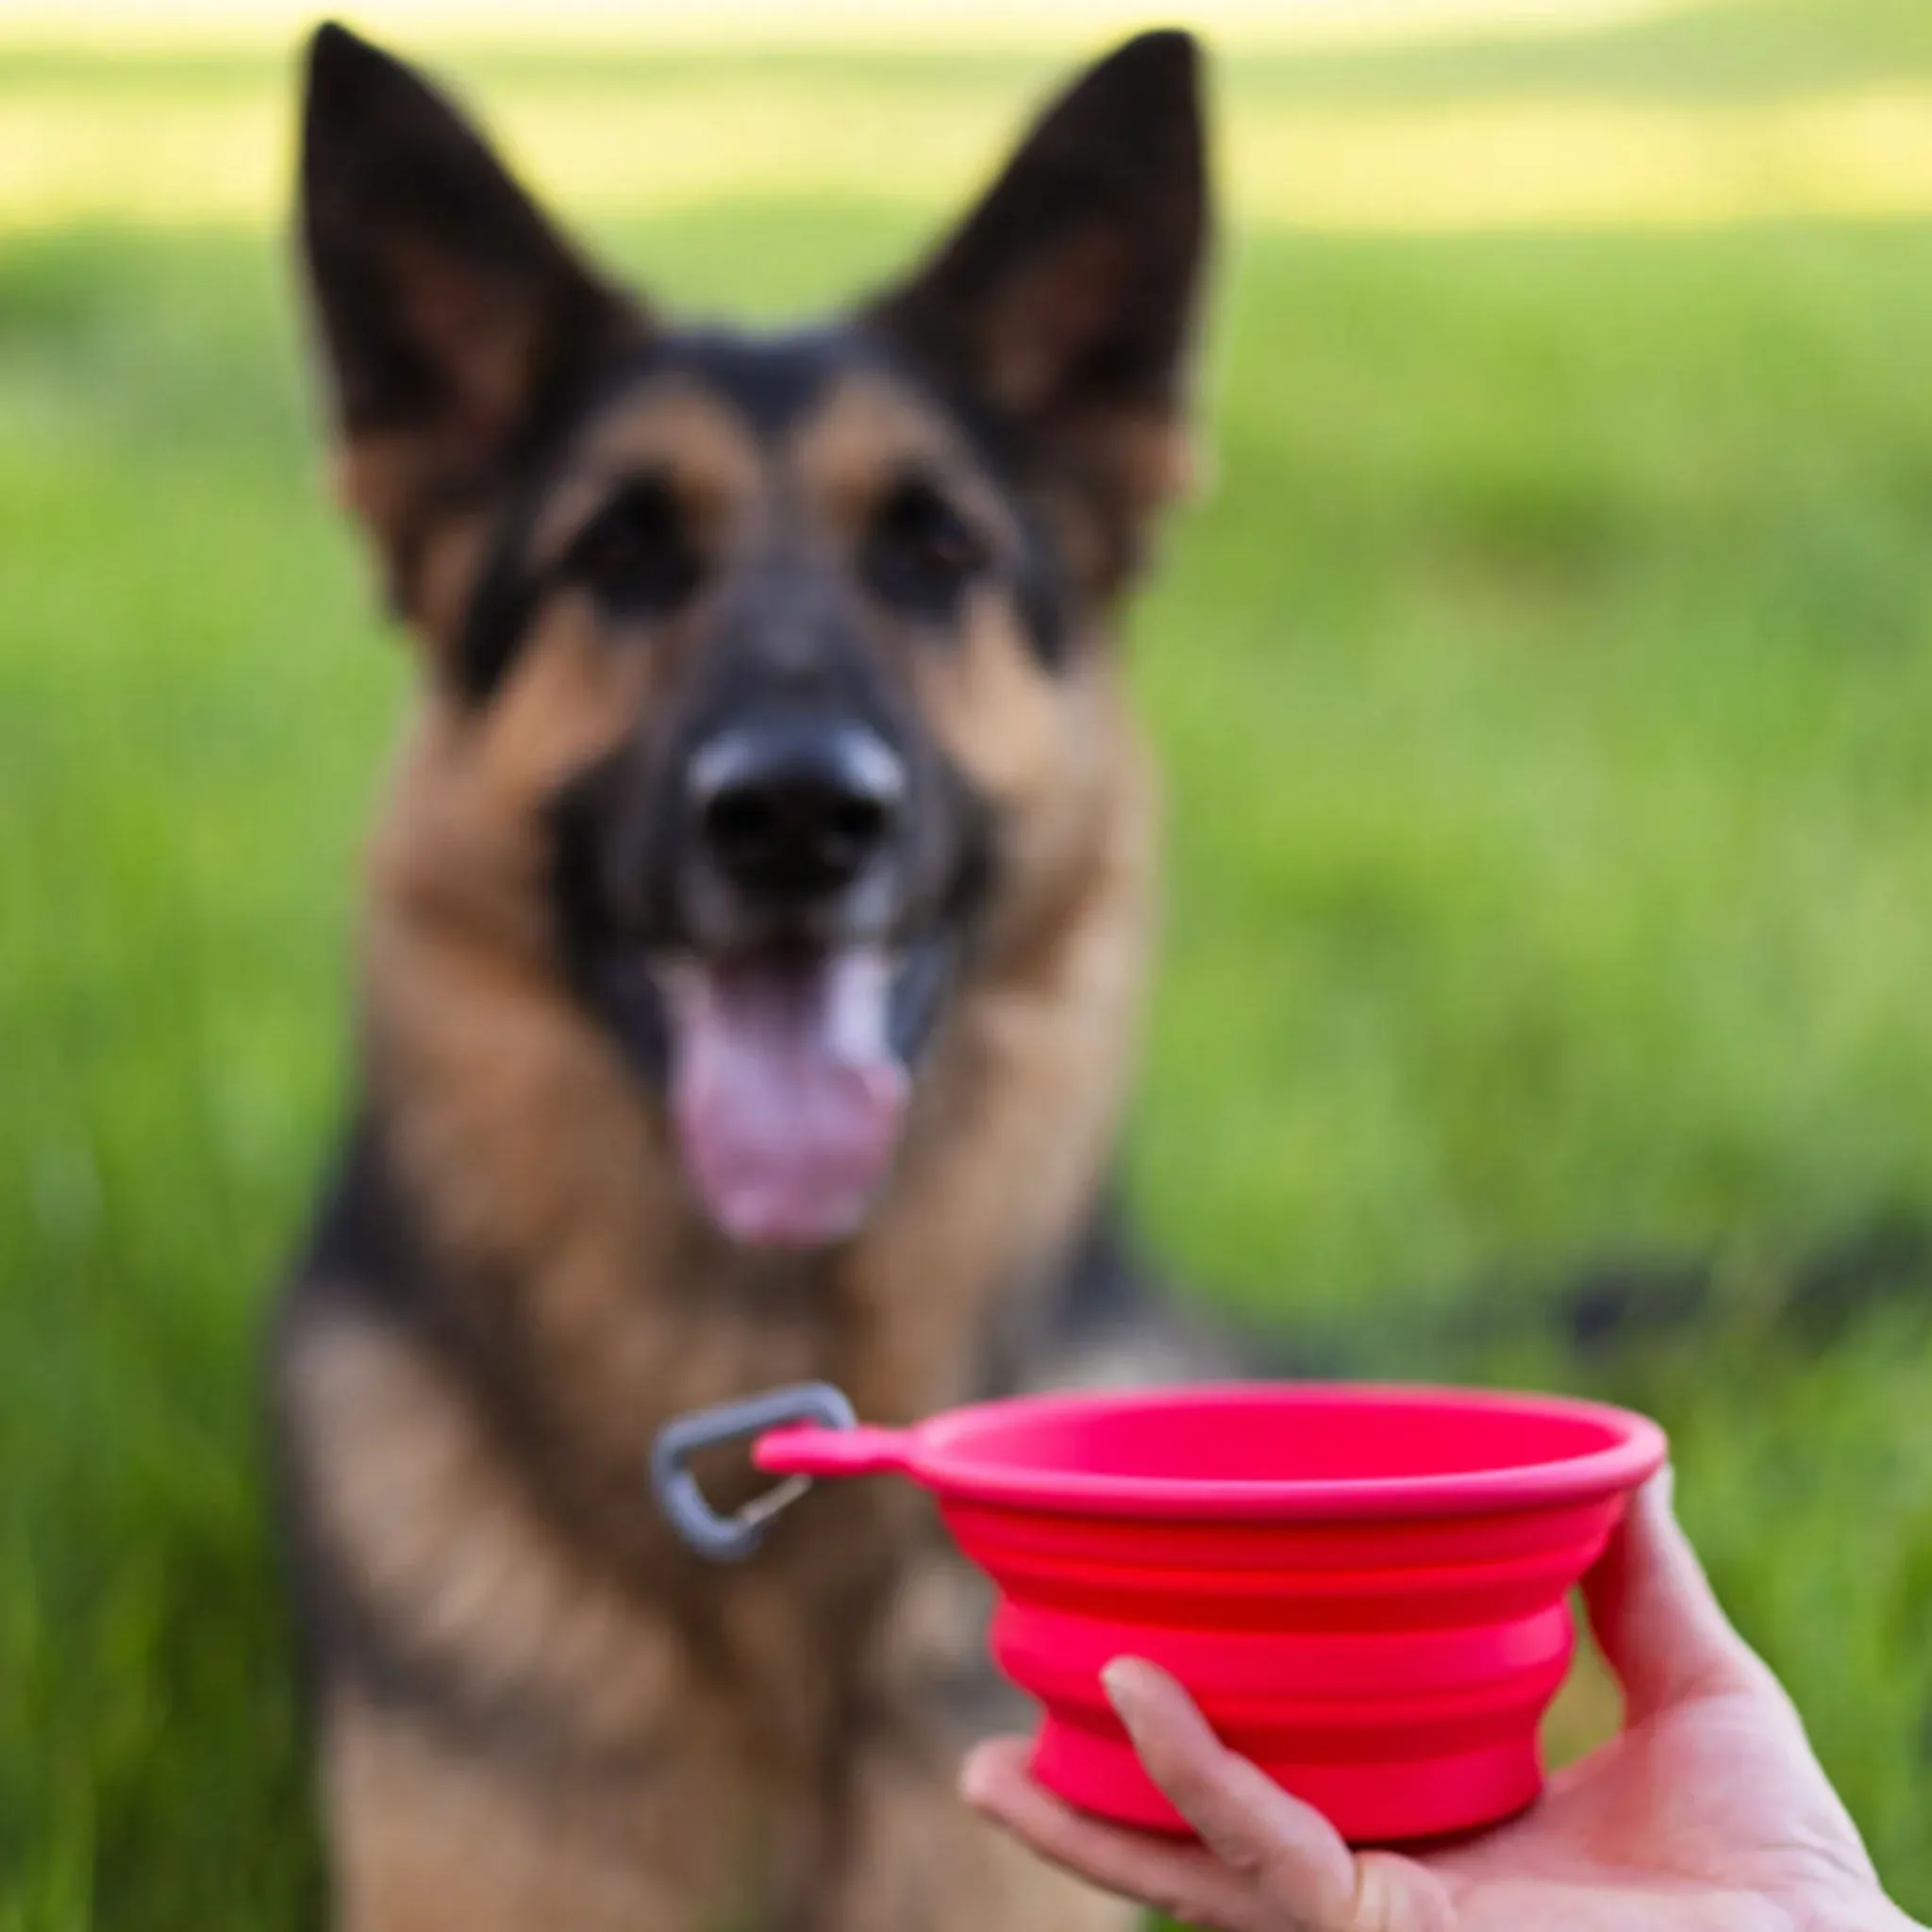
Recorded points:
(1547,694)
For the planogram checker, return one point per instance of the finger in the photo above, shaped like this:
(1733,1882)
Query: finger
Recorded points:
(1180,1880)
(1658,1619)
(1289,1852)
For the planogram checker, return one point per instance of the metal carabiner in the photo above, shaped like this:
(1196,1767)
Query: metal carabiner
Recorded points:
(731,1538)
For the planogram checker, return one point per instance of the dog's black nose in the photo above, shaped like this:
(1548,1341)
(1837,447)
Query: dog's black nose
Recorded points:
(796,809)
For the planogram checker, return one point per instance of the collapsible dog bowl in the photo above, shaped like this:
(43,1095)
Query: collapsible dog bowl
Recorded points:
(1365,1588)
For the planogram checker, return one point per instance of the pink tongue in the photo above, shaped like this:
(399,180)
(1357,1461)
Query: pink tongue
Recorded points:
(785,1094)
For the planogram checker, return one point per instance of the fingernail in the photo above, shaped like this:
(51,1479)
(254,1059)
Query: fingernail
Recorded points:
(1124,1680)
(975,1781)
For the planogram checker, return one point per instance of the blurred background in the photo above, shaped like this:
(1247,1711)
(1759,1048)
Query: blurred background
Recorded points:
(1546,688)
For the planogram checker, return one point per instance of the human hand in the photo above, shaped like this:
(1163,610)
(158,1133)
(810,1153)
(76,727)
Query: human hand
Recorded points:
(1708,1813)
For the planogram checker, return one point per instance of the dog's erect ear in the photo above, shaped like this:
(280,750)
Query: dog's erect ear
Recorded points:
(453,318)
(1066,303)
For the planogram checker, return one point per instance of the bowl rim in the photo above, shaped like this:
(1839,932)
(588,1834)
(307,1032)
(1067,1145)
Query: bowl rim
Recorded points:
(1638,1448)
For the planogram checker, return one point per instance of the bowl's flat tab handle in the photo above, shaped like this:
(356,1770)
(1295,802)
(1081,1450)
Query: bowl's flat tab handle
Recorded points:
(863,1451)
(731,1538)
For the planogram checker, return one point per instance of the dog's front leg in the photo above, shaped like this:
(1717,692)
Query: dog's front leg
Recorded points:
(430,1835)
(920,1861)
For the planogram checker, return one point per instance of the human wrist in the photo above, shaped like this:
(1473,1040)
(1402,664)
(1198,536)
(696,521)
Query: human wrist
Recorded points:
(1863,1912)
(1880,1916)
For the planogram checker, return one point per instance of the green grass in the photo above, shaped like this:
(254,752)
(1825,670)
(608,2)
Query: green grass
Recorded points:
(1547,694)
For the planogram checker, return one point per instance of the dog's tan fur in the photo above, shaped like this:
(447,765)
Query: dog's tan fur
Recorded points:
(528,1149)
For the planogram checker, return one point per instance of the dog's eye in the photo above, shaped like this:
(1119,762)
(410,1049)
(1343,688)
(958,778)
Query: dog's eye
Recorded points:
(921,553)
(635,555)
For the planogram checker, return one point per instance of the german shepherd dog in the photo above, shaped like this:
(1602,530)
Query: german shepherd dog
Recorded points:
(754,937)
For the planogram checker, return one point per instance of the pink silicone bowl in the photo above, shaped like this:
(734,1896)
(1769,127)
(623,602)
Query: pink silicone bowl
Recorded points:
(1366,1589)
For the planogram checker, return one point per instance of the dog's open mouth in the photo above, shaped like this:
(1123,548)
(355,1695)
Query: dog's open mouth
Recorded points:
(788,1092)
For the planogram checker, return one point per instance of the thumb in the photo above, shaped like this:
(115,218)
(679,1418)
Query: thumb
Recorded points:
(1300,1870)
(1658,1619)
(1254,1828)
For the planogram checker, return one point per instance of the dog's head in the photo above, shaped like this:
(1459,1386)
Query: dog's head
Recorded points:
(782,659)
